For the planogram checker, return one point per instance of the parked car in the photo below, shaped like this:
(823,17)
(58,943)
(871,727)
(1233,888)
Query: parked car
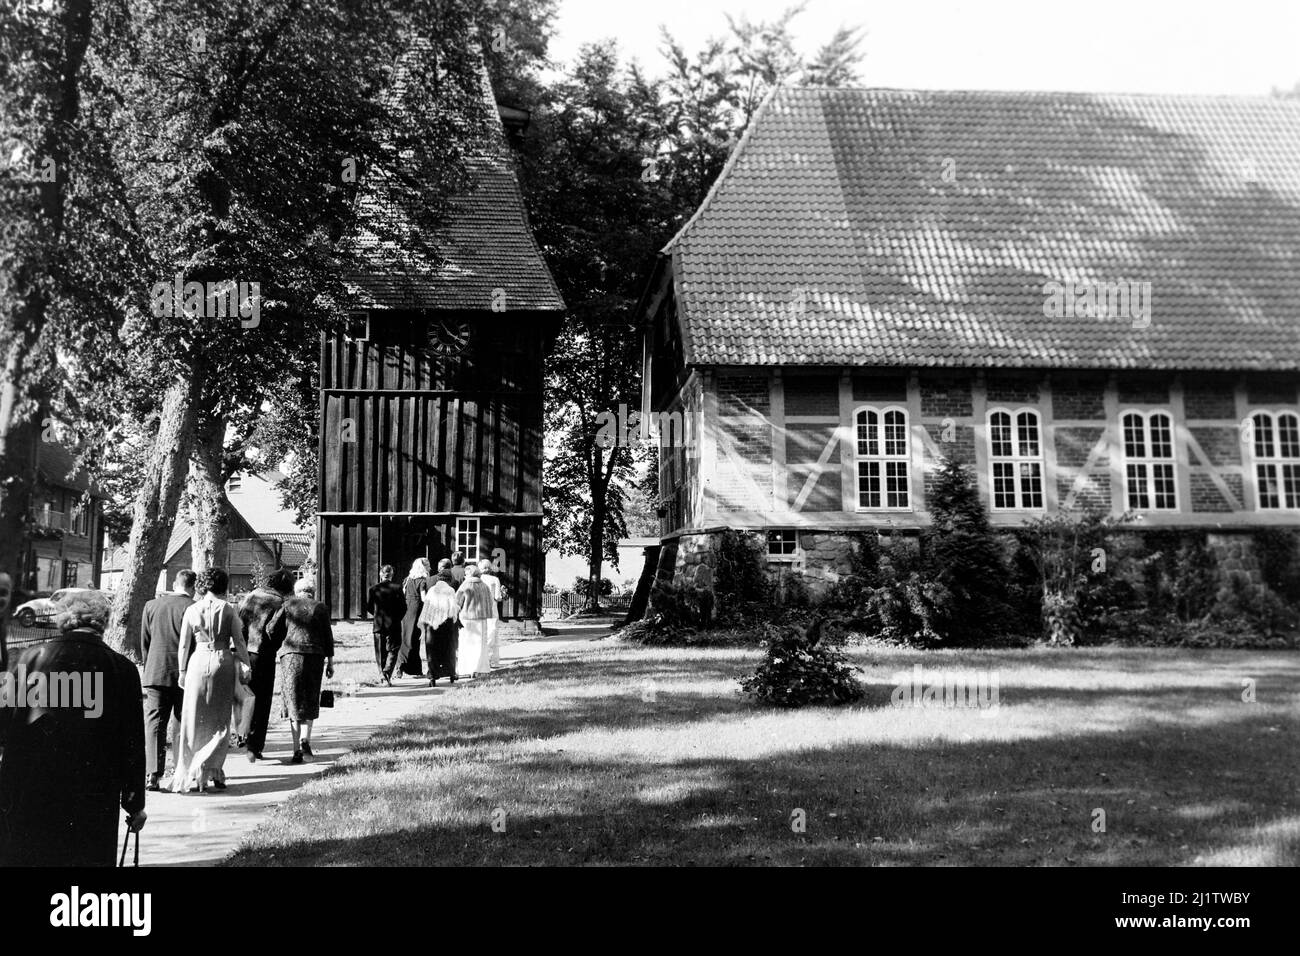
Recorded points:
(39,612)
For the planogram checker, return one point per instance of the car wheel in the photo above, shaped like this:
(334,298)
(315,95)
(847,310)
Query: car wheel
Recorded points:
(27,617)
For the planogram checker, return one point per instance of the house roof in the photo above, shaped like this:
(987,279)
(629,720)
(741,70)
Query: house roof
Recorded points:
(898,227)
(58,465)
(295,545)
(484,244)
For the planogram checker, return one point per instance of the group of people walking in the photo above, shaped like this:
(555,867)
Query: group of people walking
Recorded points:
(208,661)
(451,614)
(208,664)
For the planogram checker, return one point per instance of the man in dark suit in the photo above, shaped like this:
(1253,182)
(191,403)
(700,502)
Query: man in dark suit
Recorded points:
(160,636)
(256,611)
(387,607)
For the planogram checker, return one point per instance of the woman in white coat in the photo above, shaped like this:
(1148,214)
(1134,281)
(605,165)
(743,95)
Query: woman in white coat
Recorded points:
(477,607)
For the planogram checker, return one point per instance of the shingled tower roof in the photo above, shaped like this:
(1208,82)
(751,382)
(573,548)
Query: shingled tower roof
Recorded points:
(485,243)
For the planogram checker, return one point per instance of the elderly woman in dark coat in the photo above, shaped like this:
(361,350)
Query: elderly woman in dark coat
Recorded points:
(67,769)
(306,654)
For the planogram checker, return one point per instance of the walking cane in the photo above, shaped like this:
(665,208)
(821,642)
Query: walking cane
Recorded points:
(127,839)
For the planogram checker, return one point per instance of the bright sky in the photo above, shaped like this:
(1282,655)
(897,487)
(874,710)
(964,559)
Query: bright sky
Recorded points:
(1136,46)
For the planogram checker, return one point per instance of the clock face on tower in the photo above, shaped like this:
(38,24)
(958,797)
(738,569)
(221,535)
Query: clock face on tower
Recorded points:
(448,337)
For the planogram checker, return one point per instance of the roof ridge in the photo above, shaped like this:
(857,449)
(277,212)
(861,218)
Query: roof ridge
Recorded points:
(1089,94)
(726,168)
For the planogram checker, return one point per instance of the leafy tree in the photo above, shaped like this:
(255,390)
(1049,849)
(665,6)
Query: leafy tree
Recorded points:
(42,51)
(836,63)
(598,219)
(243,142)
(614,165)
(764,55)
(700,129)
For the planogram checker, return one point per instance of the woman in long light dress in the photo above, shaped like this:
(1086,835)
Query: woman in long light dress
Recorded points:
(476,608)
(213,656)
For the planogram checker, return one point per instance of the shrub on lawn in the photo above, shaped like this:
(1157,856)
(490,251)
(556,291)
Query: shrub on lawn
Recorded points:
(802,667)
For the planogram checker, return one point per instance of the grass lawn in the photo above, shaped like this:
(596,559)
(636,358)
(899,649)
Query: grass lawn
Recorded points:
(626,755)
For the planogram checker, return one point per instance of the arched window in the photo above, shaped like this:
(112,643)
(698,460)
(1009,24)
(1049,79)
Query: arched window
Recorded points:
(1149,461)
(1015,459)
(883,458)
(1277,459)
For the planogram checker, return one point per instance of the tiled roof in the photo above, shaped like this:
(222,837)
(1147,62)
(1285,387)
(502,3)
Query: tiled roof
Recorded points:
(893,227)
(485,242)
(58,465)
(295,547)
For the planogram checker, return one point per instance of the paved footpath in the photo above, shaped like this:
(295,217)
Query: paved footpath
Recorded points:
(203,829)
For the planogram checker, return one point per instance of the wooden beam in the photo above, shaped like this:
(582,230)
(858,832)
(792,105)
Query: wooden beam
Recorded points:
(429,514)
(1114,438)
(778,437)
(1051,500)
(1184,445)
(979,397)
(1249,475)
(920,442)
(708,467)
(845,431)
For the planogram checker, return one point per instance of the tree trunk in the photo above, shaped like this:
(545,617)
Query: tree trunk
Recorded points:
(23,405)
(596,556)
(210,541)
(155,512)
(24,384)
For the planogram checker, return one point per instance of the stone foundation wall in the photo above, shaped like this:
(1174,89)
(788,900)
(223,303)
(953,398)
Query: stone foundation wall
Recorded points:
(826,556)
(1235,554)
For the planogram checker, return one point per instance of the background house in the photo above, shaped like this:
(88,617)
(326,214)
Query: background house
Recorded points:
(63,546)
(263,536)
(870,286)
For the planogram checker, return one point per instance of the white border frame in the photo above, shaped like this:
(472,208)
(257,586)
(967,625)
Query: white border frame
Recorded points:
(1017,458)
(1173,460)
(1252,475)
(905,458)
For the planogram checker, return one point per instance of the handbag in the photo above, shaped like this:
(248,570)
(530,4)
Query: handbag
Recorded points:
(245,700)
(327,698)
(126,839)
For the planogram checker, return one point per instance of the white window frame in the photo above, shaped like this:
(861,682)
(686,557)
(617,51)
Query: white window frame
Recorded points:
(465,528)
(883,459)
(1147,460)
(1018,460)
(791,556)
(1275,461)
(358,317)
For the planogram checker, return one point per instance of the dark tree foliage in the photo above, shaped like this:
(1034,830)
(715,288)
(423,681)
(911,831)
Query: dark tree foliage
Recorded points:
(963,558)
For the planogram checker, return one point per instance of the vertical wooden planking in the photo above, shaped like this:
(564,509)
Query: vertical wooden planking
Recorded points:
(508,436)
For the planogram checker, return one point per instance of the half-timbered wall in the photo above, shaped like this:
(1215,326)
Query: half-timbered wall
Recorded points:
(781,449)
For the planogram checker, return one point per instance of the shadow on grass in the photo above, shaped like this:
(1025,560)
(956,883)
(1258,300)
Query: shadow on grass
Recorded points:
(1177,787)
